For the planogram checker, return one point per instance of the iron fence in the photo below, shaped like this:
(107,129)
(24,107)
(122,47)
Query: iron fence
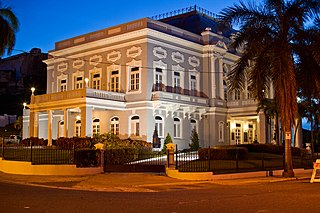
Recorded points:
(40,155)
(190,162)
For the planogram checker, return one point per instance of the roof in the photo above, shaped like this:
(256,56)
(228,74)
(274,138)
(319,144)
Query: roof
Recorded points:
(196,22)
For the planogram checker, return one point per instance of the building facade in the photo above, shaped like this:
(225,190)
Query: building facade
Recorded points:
(164,73)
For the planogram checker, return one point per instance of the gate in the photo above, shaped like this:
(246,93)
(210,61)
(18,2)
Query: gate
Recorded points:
(133,160)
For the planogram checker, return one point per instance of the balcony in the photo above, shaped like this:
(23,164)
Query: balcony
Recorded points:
(79,93)
(161,92)
(241,103)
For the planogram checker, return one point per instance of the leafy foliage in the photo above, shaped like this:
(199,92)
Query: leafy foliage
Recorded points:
(166,141)
(195,144)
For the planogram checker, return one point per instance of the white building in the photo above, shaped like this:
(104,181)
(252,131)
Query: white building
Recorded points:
(149,73)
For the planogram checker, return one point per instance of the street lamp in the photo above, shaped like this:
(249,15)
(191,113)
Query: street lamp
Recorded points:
(32,90)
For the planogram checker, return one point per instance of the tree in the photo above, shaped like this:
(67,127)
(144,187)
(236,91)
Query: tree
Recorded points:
(194,145)
(274,37)
(8,27)
(166,141)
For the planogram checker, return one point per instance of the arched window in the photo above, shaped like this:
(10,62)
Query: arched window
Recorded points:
(135,126)
(95,126)
(194,125)
(176,128)
(61,129)
(77,131)
(159,125)
(114,126)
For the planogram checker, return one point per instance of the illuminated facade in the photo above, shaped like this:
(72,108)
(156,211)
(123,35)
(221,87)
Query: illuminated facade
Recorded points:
(147,74)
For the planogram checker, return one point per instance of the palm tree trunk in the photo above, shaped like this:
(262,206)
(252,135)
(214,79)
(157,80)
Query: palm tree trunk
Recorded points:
(277,128)
(288,166)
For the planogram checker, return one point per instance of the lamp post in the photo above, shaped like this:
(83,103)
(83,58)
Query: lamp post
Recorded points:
(100,146)
(32,90)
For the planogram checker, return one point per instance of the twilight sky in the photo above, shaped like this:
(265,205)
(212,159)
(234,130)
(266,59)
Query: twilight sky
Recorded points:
(44,22)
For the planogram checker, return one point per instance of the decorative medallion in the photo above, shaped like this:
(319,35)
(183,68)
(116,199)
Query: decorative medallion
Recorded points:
(134,52)
(63,66)
(114,56)
(159,52)
(77,64)
(177,57)
(194,61)
(95,60)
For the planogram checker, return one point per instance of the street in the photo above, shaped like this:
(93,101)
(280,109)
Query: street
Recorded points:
(291,196)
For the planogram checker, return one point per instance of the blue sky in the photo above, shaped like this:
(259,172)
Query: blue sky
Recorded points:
(44,22)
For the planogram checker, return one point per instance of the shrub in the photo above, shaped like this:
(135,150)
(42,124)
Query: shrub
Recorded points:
(35,141)
(272,149)
(87,158)
(194,145)
(119,156)
(223,153)
(75,142)
(166,141)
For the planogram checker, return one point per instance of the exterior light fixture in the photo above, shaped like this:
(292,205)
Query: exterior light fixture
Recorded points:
(32,90)
(24,105)
(78,117)
(86,80)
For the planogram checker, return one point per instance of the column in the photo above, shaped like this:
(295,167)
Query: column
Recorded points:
(221,92)
(33,124)
(213,77)
(49,127)
(66,122)
(261,127)
(86,121)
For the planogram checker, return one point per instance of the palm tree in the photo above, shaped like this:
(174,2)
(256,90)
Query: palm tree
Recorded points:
(8,27)
(271,35)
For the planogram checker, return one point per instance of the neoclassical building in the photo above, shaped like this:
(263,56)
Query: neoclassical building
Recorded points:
(166,73)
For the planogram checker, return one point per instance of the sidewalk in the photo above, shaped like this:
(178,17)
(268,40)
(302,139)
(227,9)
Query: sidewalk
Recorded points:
(139,182)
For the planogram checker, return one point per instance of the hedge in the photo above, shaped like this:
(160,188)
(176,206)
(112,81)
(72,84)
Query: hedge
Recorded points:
(272,149)
(87,158)
(223,153)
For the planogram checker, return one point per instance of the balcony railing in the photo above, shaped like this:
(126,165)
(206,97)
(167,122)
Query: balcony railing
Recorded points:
(178,90)
(79,93)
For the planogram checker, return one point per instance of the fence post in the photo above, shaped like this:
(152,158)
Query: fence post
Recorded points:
(262,163)
(237,161)
(74,154)
(283,160)
(176,156)
(31,151)
(2,148)
(209,156)
(302,160)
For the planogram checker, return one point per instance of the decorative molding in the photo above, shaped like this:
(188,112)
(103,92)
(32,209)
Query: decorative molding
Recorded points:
(63,66)
(114,56)
(77,64)
(159,52)
(177,57)
(194,61)
(177,68)
(221,44)
(95,60)
(134,52)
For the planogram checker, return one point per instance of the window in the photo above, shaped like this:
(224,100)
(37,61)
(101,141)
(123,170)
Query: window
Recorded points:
(225,90)
(78,82)
(63,85)
(77,131)
(237,94)
(134,79)
(194,125)
(176,128)
(176,82)
(159,126)
(135,126)
(96,126)
(221,131)
(95,81)
(61,129)
(193,84)
(114,128)
(114,83)
(158,80)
